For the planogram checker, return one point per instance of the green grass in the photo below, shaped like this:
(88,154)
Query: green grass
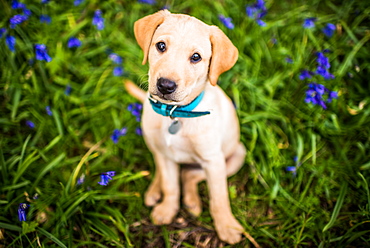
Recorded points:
(325,204)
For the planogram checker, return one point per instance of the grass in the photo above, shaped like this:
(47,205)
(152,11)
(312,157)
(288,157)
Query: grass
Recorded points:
(324,203)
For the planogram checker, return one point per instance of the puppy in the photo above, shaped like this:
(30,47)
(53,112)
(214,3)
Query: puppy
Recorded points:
(187,118)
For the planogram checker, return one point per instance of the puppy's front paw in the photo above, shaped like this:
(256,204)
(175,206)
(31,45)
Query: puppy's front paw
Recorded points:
(164,213)
(229,230)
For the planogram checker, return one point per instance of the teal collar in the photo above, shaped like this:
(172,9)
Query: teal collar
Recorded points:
(174,111)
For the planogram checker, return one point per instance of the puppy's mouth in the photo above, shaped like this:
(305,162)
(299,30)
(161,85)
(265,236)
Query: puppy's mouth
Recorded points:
(164,98)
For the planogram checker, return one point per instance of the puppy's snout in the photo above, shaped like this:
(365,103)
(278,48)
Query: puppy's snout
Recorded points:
(166,86)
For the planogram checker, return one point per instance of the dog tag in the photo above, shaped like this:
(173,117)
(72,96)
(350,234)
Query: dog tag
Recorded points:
(174,126)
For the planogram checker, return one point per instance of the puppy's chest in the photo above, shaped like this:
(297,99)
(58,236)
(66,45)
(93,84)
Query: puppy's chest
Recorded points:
(178,147)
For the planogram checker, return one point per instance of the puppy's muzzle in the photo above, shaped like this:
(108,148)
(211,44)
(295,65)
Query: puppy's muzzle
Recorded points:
(166,86)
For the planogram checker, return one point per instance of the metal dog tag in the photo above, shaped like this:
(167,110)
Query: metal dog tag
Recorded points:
(174,126)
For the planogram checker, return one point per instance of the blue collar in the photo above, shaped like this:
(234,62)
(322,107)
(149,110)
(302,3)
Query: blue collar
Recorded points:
(174,111)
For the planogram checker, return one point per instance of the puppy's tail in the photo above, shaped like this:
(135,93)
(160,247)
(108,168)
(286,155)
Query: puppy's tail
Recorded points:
(135,90)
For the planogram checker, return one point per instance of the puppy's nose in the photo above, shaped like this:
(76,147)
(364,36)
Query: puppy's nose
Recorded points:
(166,86)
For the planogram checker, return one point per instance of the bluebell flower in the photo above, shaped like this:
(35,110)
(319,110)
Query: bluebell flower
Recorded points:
(17,5)
(115,58)
(118,71)
(106,177)
(292,169)
(45,1)
(135,110)
(17,19)
(309,22)
(2,32)
(322,60)
(227,21)
(261,23)
(147,1)
(329,30)
(257,11)
(289,60)
(139,131)
(26,12)
(332,95)
(30,124)
(48,111)
(315,95)
(22,211)
(45,19)
(77,2)
(274,41)
(117,133)
(98,20)
(322,71)
(305,74)
(68,90)
(73,42)
(10,42)
(81,179)
(42,53)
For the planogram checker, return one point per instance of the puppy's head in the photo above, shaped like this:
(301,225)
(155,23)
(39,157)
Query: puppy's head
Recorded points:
(183,53)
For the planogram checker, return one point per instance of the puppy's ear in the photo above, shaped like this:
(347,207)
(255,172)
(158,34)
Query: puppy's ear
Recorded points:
(224,54)
(144,29)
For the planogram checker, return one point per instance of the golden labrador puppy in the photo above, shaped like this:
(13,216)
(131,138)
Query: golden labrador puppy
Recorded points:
(187,118)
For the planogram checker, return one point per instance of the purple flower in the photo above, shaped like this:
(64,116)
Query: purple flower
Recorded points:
(315,95)
(68,90)
(45,1)
(257,11)
(22,211)
(17,19)
(73,42)
(322,71)
(322,60)
(305,74)
(227,21)
(292,169)
(81,179)
(135,110)
(117,134)
(329,30)
(30,124)
(261,23)
(26,12)
(289,60)
(2,32)
(332,95)
(106,177)
(48,111)
(147,1)
(10,42)
(139,131)
(98,20)
(45,19)
(309,22)
(118,71)
(41,53)
(77,2)
(17,5)
(115,58)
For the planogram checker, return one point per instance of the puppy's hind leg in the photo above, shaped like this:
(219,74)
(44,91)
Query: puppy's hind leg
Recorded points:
(191,177)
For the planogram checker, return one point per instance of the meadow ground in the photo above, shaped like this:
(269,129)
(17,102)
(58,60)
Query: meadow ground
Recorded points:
(74,166)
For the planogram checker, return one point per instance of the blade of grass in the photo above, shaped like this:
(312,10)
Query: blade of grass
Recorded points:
(338,206)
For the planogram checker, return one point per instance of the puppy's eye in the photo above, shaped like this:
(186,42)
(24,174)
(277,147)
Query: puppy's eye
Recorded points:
(195,58)
(161,46)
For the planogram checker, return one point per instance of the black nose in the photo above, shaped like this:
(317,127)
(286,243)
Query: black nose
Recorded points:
(166,86)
